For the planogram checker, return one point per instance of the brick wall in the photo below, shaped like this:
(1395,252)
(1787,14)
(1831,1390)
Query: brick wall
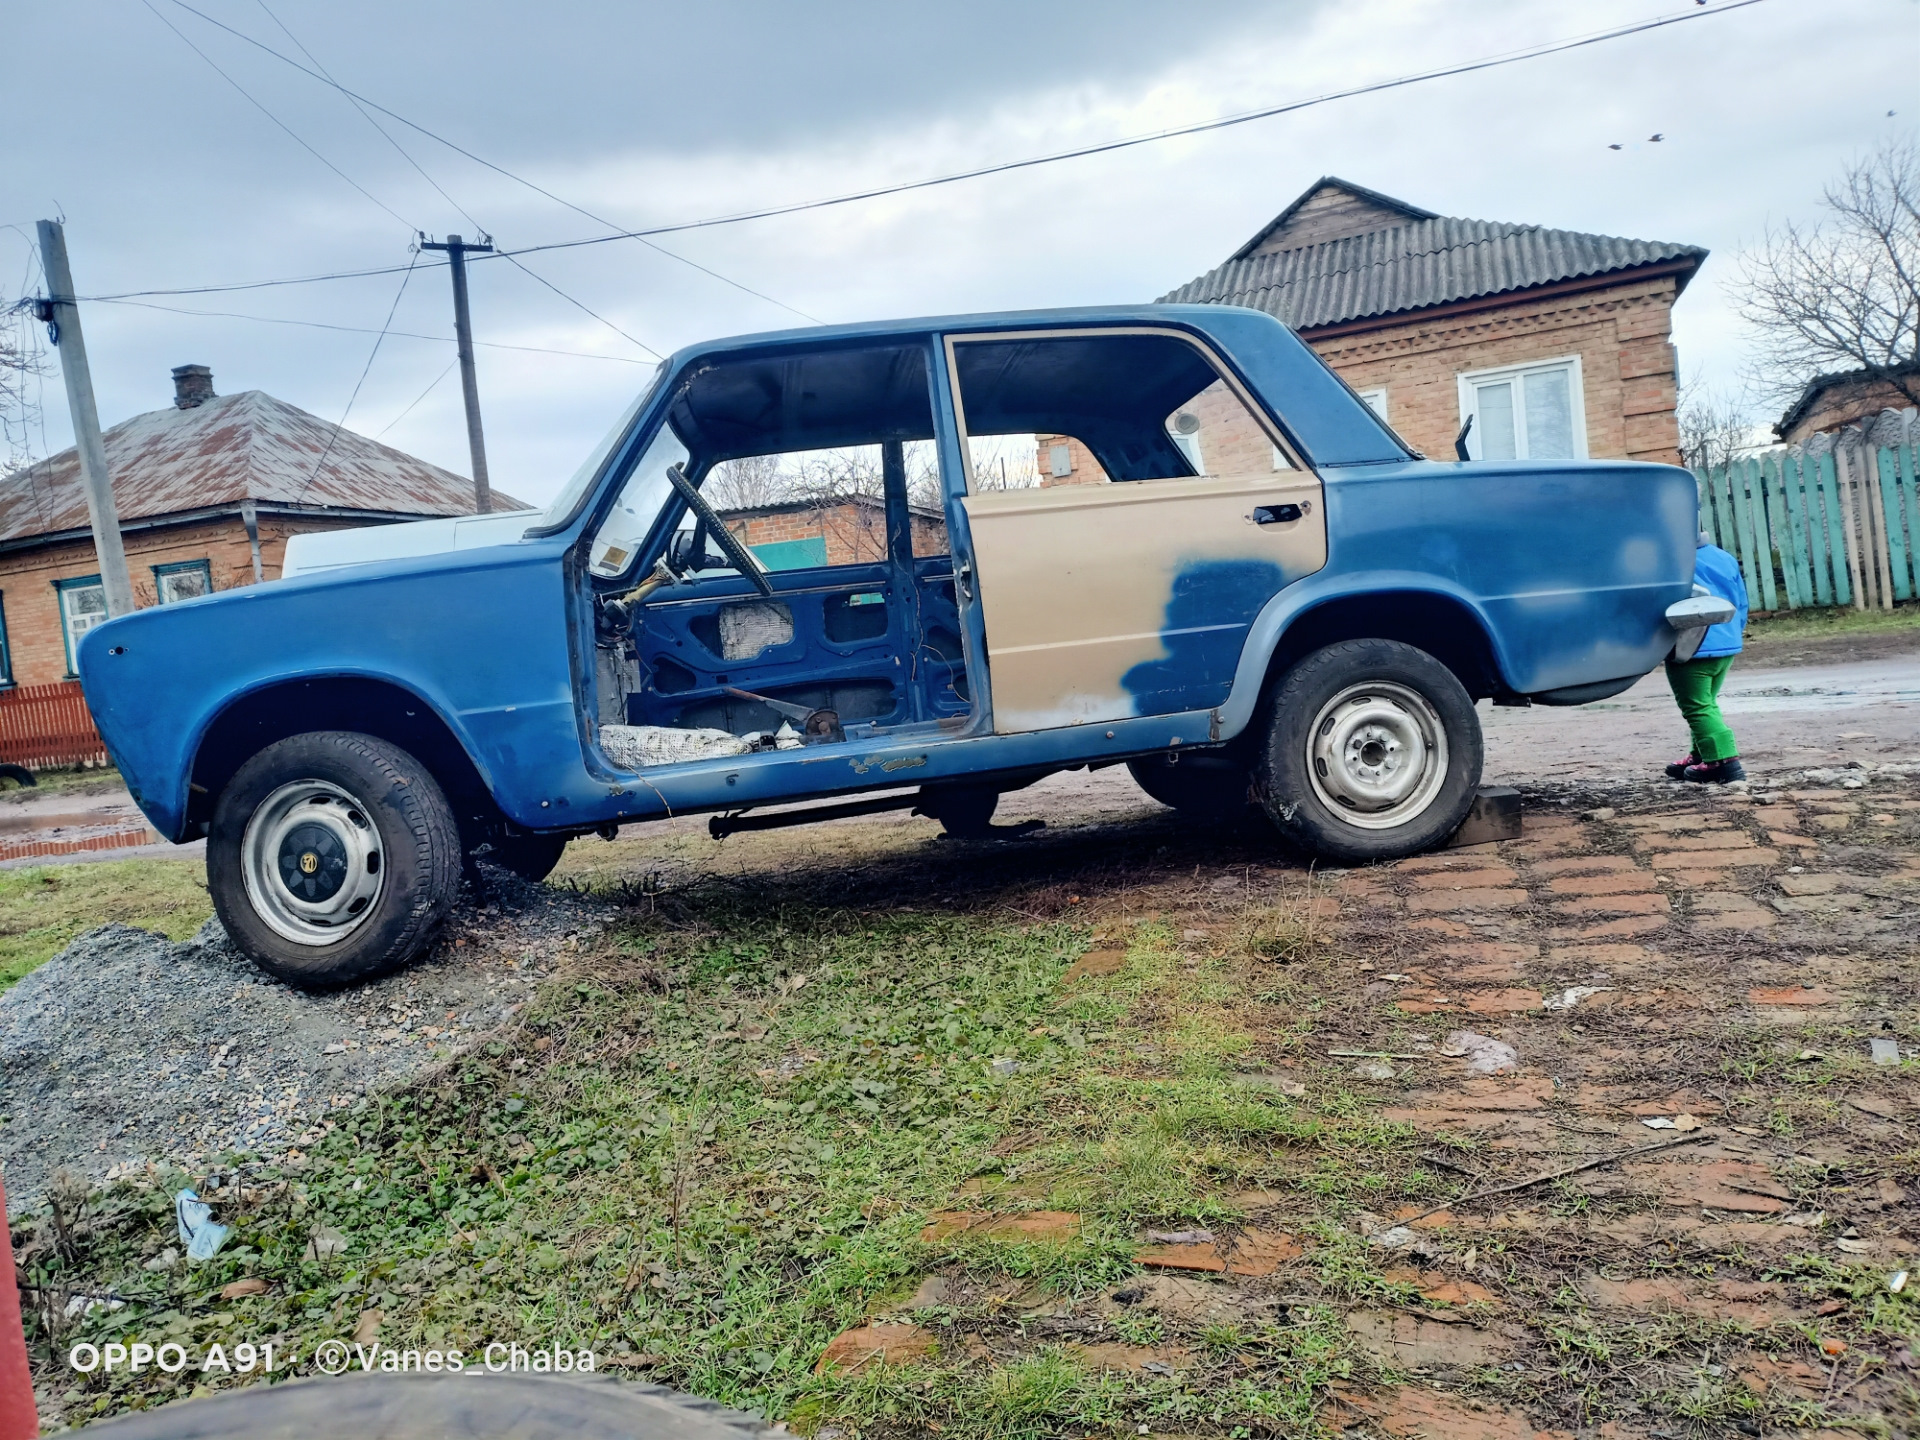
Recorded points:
(855,532)
(1846,403)
(1619,333)
(32,605)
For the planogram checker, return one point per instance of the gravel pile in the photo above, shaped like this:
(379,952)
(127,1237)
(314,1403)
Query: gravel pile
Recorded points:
(126,1048)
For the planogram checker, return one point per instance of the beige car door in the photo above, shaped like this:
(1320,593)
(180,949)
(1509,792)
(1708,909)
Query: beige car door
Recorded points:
(1105,598)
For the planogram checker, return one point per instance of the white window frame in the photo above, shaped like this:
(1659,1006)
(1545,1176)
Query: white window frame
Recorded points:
(1376,401)
(1469,380)
(66,590)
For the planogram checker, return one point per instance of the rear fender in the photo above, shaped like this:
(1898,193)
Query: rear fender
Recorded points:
(1420,609)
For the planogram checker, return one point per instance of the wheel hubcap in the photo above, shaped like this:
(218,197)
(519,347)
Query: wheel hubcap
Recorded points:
(310,858)
(1377,755)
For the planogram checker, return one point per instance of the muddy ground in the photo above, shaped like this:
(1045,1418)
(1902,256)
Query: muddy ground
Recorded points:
(1731,976)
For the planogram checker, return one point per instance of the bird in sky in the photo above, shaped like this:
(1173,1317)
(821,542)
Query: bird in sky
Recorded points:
(1656,137)
(1616,147)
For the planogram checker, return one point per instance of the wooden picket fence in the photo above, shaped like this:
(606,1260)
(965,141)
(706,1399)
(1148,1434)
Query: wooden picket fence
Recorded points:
(1833,522)
(48,725)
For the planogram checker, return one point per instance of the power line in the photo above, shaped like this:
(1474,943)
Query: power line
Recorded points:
(365,371)
(360,102)
(1200,127)
(362,109)
(276,119)
(369,330)
(418,398)
(579,306)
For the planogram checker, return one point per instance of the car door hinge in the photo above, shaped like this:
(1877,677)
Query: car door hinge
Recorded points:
(1214,723)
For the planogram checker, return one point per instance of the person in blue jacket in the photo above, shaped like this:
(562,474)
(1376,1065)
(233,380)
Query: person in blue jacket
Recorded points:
(1696,683)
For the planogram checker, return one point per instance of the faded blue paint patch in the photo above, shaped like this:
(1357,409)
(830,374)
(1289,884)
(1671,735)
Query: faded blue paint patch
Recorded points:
(1212,607)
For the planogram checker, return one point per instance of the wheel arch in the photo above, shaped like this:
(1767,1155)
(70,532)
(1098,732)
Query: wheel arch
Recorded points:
(1444,625)
(370,705)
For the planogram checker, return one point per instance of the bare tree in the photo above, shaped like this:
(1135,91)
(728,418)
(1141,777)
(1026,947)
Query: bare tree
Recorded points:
(21,360)
(1844,293)
(1713,429)
(746,484)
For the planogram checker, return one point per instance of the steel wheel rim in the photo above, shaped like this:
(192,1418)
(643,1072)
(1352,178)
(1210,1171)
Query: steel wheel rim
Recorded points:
(311,861)
(1377,755)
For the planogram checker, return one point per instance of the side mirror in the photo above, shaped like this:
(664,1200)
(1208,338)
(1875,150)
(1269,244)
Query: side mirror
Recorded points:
(1691,619)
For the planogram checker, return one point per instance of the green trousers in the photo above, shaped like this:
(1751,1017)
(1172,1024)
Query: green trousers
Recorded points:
(1696,686)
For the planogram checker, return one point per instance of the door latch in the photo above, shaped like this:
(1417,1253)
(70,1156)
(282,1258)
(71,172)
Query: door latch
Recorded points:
(1276,514)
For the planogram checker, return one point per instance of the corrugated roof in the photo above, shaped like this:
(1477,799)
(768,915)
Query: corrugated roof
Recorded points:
(1414,265)
(247,446)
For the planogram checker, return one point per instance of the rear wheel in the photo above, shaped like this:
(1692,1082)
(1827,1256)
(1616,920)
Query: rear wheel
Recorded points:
(1374,752)
(1206,787)
(332,857)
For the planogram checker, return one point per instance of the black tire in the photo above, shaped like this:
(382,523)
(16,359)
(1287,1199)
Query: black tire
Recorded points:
(19,775)
(1207,787)
(441,1407)
(1398,723)
(531,857)
(965,812)
(341,809)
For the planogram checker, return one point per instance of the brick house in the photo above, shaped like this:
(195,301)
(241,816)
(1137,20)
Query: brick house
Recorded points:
(1554,342)
(207,491)
(1829,402)
(846,531)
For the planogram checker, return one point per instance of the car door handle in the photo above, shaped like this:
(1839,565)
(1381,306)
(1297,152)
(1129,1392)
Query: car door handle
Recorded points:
(1277,514)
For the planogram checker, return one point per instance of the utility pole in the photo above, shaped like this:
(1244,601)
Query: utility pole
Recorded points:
(62,317)
(457,249)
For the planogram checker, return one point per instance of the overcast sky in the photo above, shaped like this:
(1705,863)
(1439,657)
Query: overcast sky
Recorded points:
(653,113)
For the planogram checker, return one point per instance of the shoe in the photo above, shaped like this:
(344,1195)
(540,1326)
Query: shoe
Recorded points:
(1678,769)
(1717,772)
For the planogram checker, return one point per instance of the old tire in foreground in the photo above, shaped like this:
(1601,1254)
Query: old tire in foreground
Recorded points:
(1208,787)
(332,857)
(462,1406)
(1374,752)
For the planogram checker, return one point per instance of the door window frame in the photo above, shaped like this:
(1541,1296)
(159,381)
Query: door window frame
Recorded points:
(1470,381)
(1281,442)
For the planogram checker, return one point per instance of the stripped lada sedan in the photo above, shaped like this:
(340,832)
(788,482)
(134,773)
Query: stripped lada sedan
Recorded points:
(1223,571)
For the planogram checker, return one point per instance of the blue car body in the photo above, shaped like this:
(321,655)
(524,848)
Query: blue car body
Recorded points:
(1541,580)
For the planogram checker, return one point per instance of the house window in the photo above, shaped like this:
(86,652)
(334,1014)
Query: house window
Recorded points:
(6,650)
(182,580)
(83,605)
(1375,400)
(1526,412)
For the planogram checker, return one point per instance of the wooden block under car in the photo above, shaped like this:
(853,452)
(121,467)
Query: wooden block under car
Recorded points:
(1494,815)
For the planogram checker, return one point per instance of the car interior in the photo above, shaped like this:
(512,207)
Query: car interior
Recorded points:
(849,632)
(775,568)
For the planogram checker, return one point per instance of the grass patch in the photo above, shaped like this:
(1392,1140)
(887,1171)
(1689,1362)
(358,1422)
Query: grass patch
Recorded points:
(76,780)
(44,907)
(713,1145)
(1836,620)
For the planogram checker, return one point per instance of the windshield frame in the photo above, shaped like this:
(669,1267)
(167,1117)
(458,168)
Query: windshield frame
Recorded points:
(574,496)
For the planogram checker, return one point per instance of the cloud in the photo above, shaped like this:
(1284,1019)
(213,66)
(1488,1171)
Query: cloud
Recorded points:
(660,113)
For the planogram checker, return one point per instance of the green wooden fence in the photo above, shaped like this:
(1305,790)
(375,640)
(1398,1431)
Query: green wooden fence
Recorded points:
(1829,523)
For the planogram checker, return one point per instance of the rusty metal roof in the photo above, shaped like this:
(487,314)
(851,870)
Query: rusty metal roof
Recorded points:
(1408,264)
(247,446)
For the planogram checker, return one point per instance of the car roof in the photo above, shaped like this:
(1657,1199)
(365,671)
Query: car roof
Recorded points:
(1204,318)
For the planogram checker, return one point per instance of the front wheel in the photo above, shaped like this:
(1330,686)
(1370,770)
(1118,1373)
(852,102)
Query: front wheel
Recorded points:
(332,857)
(1374,752)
